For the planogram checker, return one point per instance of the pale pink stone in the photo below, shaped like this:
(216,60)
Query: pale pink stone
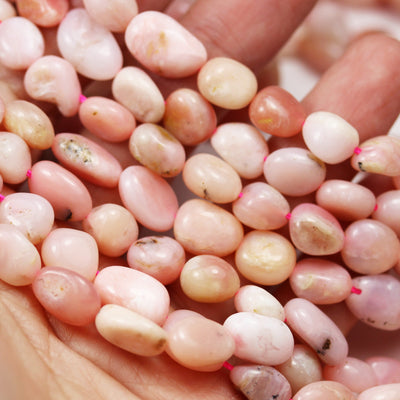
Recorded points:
(52,181)
(46,13)
(32,214)
(20,259)
(164,46)
(388,210)
(7,10)
(386,369)
(294,171)
(242,146)
(133,88)
(211,178)
(67,295)
(54,80)
(205,228)
(260,206)
(326,390)
(88,46)
(134,290)
(381,392)
(148,197)
(15,158)
(331,138)
(18,33)
(154,147)
(317,330)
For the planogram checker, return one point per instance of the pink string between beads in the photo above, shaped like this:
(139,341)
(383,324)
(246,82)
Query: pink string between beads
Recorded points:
(288,216)
(29,173)
(355,290)
(82,98)
(1,198)
(228,366)
(240,195)
(376,207)
(357,150)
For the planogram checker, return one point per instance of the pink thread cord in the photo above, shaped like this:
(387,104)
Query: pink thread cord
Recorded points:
(29,173)
(82,98)
(357,150)
(355,290)
(1,198)
(288,216)
(227,366)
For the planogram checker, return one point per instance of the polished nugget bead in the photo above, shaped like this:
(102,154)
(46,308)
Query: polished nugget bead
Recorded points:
(46,13)
(386,369)
(388,210)
(384,392)
(327,390)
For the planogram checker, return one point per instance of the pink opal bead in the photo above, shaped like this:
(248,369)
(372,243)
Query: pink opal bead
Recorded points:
(134,290)
(161,257)
(189,116)
(383,314)
(315,231)
(7,10)
(388,210)
(260,339)
(317,330)
(32,214)
(205,228)
(67,295)
(211,178)
(54,80)
(88,46)
(71,249)
(265,257)
(155,148)
(52,181)
(107,119)
(242,146)
(381,392)
(148,197)
(294,171)
(259,382)
(261,206)
(347,201)
(326,390)
(15,158)
(134,89)
(46,13)
(163,45)
(370,247)
(386,369)
(331,138)
(20,258)
(18,33)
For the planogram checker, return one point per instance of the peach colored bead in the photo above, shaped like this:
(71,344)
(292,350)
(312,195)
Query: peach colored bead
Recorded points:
(134,89)
(260,206)
(154,147)
(315,231)
(388,210)
(242,146)
(52,181)
(347,201)
(67,295)
(227,83)
(209,279)
(189,116)
(130,331)
(163,45)
(381,392)
(326,390)
(211,178)
(54,80)
(205,228)
(386,369)
(148,197)
(107,119)
(20,259)
(44,13)
(113,227)
(30,122)
(7,10)
(158,256)
(277,112)
(266,258)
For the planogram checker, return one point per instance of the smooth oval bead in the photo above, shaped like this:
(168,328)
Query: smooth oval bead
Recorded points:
(141,191)
(30,213)
(315,231)
(326,390)
(294,171)
(46,13)
(330,137)
(107,119)
(370,247)
(88,46)
(130,331)
(387,210)
(211,178)
(205,228)
(7,10)
(260,339)
(155,148)
(242,146)
(67,295)
(266,258)
(227,83)
(381,392)
(163,45)
(52,181)
(20,258)
(134,89)
(134,290)
(386,369)
(261,206)
(317,330)
(383,314)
